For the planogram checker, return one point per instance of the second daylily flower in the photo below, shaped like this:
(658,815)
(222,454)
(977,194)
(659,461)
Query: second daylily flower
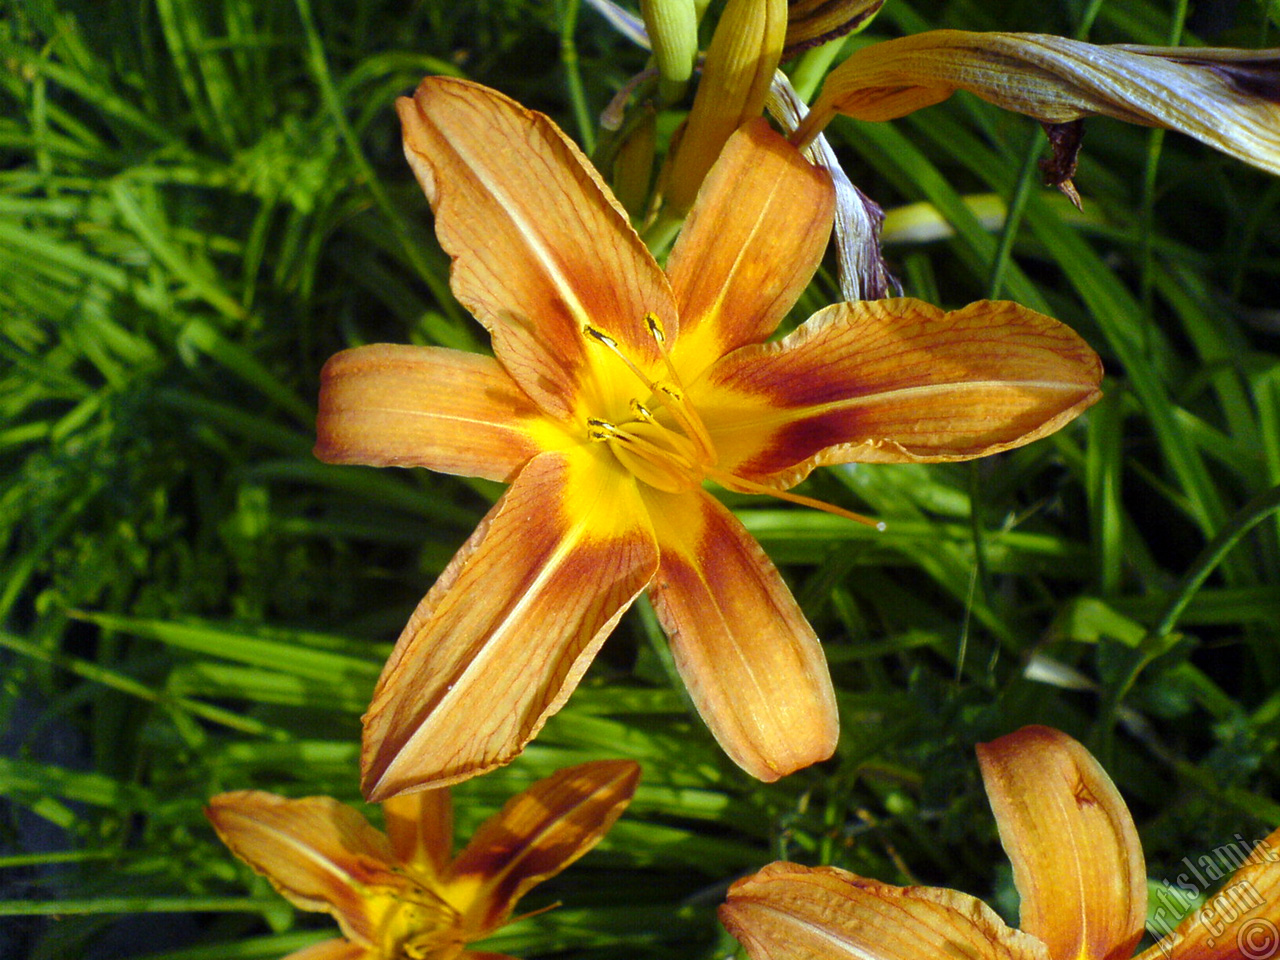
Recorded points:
(1077,865)
(616,390)
(402,894)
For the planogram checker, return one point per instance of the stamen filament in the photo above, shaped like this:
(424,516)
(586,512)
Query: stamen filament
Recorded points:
(670,395)
(659,334)
(740,485)
(612,345)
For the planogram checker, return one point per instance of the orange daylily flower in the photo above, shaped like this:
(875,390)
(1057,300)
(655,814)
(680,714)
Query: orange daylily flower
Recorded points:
(616,390)
(402,893)
(1077,865)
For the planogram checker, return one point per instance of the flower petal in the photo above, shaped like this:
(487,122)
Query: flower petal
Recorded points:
(1229,99)
(894,381)
(1077,862)
(752,663)
(790,912)
(506,632)
(420,828)
(1240,921)
(539,245)
(319,853)
(749,247)
(540,832)
(334,950)
(390,405)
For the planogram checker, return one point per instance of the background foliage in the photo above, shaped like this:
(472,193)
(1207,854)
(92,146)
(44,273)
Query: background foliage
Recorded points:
(200,200)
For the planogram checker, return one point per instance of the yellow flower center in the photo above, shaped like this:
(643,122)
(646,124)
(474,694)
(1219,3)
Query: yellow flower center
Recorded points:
(417,923)
(675,453)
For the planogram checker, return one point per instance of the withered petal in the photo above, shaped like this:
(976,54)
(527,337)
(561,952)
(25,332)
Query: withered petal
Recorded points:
(814,22)
(1229,99)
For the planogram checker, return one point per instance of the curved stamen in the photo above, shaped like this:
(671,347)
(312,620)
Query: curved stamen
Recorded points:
(740,485)
(670,394)
(664,460)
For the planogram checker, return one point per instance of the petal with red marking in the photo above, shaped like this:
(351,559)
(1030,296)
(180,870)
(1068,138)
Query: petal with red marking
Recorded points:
(420,828)
(507,631)
(752,663)
(447,410)
(895,381)
(540,832)
(333,950)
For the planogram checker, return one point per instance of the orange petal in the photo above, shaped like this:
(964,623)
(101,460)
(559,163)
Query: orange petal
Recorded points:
(320,854)
(420,828)
(540,832)
(334,950)
(894,381)
(1224,97)
(751,661)
(790,912)
(506,632)
(1077,862)
(749,247)
(1242,920)
(539,245)
(389,405)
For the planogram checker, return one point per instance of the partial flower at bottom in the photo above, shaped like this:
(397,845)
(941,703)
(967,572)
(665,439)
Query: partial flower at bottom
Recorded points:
(1077,866)
(401,895)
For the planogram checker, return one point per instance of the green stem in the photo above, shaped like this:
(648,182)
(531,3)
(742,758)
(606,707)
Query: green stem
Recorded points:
(573,77)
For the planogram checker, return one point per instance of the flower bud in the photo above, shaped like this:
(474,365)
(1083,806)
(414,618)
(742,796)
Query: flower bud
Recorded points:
(673,32)
(743,56)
